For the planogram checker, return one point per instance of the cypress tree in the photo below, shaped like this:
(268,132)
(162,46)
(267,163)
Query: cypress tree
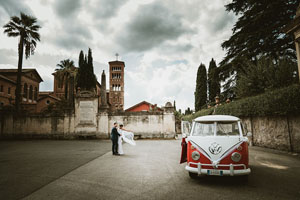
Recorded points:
(81,59)
(174,105)
(90,61)
(86,78)
(213,81)
(91,78)
(80,76)
(201,88)
(188,111)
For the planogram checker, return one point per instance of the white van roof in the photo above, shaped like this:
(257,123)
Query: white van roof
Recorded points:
(213,118)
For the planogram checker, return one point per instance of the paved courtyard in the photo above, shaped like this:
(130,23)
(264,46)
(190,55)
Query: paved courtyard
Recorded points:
(80,169)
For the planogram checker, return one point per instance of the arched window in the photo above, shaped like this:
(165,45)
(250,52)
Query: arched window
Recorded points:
(25,91)
(35,93)
(30,92)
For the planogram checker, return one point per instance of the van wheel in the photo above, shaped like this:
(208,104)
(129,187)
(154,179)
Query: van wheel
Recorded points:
(193,175)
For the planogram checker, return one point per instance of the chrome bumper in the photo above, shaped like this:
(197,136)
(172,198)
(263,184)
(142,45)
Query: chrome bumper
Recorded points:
(231,172)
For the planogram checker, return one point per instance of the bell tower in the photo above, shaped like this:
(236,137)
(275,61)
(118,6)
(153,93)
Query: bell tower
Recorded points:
(116,84)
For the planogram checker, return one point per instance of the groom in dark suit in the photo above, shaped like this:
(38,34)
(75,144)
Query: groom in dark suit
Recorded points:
(114,136)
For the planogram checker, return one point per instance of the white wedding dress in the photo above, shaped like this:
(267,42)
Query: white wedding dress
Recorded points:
(127,137)
(120,145)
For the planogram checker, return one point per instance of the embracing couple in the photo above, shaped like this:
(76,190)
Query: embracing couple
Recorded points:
(117,136)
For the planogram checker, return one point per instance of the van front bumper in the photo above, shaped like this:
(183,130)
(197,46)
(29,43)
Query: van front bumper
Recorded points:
(221,172)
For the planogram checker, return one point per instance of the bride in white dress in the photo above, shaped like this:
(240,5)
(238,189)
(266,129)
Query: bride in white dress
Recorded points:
(126,136)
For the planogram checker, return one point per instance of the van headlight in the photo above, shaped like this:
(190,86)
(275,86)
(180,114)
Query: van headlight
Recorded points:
(236,157)
(196,155)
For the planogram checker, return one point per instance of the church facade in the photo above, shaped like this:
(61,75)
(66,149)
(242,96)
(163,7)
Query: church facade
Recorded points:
(110,98)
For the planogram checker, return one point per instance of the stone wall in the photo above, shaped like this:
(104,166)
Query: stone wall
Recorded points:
(37,126)
(68,126)
(282,133)
(146,125)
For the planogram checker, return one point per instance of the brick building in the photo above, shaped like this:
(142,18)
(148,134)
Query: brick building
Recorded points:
(144,106)
(45,99)
(30,82)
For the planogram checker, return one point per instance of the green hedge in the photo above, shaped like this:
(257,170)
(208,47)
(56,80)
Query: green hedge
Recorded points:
(276,102)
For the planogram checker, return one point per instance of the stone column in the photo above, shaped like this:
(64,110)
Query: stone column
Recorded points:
(86,109)
(169,121)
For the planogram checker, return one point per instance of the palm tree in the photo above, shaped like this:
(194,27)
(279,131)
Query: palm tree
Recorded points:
(67,73)
(26,28)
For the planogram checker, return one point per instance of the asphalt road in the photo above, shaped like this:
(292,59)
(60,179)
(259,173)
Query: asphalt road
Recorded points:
(150,170)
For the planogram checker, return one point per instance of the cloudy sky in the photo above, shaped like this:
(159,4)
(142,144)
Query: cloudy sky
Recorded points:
(161,42)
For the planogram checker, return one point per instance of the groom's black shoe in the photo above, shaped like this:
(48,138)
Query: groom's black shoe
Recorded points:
(117,154)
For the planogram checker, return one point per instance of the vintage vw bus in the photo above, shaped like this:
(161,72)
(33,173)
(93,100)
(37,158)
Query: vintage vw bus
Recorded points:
(215,145)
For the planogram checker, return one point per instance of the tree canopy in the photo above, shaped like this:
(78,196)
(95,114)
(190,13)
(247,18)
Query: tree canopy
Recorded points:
(26,28)
(67,74)
(258,32)
(265,75)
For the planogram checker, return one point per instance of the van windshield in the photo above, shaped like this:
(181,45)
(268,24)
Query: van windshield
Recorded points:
(227,128)
(203,129)
(222,129)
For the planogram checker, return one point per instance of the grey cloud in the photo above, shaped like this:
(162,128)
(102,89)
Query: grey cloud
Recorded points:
(10,8)
(66,8)
(8,56)
(45,60)
(102,11)
(160,63)
(70,42)
(14,7)
(71,35)
(105,9)
(72,28)
(175,48)
(221,21)
(152,25)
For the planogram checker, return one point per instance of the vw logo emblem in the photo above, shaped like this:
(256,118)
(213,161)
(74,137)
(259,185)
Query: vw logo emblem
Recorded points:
(215,148)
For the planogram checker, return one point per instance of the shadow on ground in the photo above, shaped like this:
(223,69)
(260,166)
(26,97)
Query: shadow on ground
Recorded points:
(26,166)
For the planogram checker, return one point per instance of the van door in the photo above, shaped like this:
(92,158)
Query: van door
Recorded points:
(185,130)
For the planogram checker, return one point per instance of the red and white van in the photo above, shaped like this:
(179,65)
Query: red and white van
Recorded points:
(215,145)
